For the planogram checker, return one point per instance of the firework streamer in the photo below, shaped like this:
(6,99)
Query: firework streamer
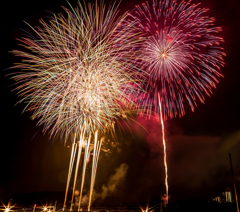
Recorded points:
(164,145)
(76,173)
(86,155)
(181,50)
(77,76)
(97,148)
(80,145)
(73,152)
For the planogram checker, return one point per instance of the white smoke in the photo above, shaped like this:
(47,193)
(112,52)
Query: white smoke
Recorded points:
(114,181)
(85,200)
(111,187)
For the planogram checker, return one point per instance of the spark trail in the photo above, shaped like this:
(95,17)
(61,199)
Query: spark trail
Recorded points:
(164,146)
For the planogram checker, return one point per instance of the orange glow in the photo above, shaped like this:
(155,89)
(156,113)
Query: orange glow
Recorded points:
(163,55)
(7,208)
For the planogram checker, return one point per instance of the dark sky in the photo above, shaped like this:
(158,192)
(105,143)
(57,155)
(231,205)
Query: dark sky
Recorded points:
(198,143)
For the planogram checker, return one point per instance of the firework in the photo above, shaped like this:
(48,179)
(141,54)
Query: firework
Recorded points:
(182,53)
(76,77)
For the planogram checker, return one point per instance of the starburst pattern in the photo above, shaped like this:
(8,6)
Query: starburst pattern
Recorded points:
(76,73)
(181,52)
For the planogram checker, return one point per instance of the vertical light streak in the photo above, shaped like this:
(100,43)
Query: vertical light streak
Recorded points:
(87,152)
(164,146)
(96,151)
(94,168)
(70,169)
(77,167)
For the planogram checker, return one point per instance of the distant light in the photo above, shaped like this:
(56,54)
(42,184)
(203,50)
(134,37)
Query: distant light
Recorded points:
(7,210)
(45,208)
(163,55)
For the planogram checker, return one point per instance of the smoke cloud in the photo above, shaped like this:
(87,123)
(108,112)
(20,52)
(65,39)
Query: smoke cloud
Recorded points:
(114,182)
(110,189)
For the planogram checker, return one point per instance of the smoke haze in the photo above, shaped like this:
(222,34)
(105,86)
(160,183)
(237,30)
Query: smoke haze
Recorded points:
(110,189)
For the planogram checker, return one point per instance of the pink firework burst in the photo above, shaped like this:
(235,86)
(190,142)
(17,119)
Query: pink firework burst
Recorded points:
(181,52)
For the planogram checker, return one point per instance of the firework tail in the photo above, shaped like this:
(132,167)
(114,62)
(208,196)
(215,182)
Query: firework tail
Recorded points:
(70,169)
(87,152)
(80,145)
(76,173)
(164,146)
(93,168)
(96,151)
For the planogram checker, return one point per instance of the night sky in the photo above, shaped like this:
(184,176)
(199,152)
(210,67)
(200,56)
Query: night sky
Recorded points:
(197,144)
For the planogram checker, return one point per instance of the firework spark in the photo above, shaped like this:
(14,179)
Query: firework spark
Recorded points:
(76,77)
(182,53)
